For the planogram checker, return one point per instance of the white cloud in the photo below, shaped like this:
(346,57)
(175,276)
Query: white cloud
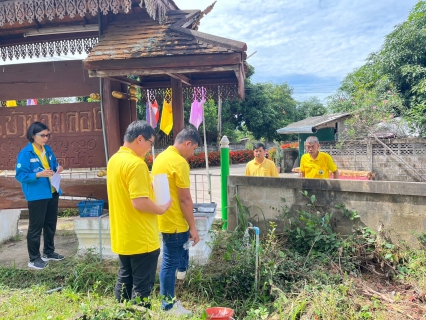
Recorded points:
(312,41)
(309,44)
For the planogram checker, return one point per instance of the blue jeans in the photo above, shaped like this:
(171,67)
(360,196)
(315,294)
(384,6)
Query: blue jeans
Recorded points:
(175,257)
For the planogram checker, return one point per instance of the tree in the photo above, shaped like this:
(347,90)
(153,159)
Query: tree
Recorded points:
(266,108)
(310,108)
(399,66)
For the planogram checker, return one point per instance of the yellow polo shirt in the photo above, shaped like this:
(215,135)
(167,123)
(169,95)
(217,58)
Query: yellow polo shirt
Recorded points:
(265,169)
(319,168)
(176,167)
(132,231)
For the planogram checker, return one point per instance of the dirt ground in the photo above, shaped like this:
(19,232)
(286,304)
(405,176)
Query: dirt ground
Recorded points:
(15,253)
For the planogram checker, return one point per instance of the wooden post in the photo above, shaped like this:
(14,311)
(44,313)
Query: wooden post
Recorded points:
(128,112)
(111,115)
(177,106)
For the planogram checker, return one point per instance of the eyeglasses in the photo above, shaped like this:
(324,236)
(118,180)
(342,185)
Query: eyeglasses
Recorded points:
(43,135)
(152,143)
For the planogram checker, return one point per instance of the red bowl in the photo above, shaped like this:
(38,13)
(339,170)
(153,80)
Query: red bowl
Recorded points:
(219,313)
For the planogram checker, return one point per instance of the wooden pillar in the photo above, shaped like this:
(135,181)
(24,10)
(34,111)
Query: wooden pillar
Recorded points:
(128,112)
(177,106)
(111,116)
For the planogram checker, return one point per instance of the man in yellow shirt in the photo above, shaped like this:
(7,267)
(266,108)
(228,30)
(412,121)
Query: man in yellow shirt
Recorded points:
(177,225)
(133,214)
(316,164)
(260,166)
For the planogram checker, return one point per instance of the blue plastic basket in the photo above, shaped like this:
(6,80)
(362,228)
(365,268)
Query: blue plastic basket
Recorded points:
(91,208)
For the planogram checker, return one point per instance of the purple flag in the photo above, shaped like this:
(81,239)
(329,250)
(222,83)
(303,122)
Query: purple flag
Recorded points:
(197,108)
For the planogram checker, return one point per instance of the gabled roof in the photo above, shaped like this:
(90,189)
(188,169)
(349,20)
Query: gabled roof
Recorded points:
(311,125)
(137,37)
(137,45)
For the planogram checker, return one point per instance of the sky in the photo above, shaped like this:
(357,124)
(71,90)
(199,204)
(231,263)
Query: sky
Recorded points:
(309,44)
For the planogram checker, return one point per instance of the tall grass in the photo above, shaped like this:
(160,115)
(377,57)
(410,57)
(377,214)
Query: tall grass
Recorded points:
(294,283)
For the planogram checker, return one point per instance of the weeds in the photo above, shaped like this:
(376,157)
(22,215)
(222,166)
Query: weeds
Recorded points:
(308,272)
(70,212)
(310,232)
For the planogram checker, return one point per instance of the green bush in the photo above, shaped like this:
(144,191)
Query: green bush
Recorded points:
(199,161)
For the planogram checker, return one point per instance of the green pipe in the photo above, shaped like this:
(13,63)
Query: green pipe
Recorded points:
(224,173)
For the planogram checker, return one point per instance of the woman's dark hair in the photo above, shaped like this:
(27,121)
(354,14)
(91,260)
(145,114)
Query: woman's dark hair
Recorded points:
(35,128)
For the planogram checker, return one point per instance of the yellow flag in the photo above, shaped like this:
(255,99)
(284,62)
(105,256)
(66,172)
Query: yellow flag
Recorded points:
(11,103)
(166,124)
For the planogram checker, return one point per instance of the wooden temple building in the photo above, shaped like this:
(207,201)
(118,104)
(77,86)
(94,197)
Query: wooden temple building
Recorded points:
(152,40)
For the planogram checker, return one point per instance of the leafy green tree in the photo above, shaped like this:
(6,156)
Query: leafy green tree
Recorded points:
(399,66)
(311,107)
(266,108)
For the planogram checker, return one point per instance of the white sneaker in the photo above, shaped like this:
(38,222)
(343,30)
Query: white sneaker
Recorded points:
(181,275)
(178,310)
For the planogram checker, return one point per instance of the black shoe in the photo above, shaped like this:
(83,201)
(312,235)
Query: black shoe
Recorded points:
(52,257)
(38,264)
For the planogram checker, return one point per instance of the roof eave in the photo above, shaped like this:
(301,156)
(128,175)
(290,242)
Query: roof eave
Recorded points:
(307,129)
(179,26)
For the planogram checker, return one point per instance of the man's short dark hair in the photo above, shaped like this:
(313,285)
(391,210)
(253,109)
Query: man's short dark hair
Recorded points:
(35,128)
(259,145)
(137,128)
(188,133)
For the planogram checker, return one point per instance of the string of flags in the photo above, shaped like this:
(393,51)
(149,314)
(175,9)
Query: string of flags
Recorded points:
(13,103)
(166,124)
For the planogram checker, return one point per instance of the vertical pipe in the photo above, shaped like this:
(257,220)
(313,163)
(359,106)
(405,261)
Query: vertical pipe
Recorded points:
(224,173)
(151,124)
(257,231)
(211,196)
(219,116)
(206,156)
(103,122)
(100,235)
(196,191)
(101,100)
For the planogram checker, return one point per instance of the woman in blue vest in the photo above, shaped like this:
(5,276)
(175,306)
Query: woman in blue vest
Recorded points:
(35,166)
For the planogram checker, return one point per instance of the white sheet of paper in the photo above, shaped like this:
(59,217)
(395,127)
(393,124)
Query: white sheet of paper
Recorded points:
(56,181)
(161,189)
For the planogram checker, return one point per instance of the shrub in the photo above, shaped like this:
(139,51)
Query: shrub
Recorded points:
(241,156)
(198,159)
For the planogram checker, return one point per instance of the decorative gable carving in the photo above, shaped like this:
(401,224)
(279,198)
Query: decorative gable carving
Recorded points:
(21,10)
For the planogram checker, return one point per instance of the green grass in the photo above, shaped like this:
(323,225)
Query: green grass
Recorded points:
(292,285)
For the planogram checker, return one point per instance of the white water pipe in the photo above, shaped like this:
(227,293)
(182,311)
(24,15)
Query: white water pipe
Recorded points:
(257,232)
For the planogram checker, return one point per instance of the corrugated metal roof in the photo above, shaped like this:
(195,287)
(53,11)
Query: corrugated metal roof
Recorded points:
(310,125)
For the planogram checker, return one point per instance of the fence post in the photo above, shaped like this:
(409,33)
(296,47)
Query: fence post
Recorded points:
(224,173)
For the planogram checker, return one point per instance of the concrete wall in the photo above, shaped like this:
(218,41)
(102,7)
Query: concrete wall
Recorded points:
(372,156)
(9,223)
(400,206)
